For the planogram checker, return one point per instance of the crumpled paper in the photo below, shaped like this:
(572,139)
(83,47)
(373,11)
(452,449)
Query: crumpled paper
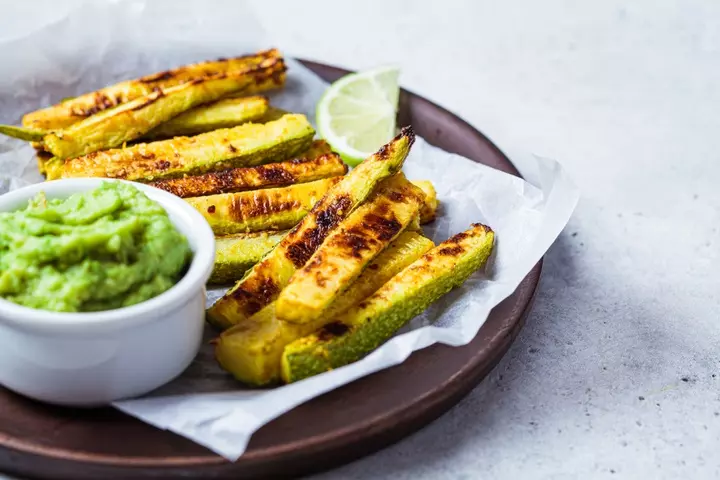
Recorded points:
(102,43)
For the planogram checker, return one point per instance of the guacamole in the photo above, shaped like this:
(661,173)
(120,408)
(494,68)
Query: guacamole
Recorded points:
(98,250)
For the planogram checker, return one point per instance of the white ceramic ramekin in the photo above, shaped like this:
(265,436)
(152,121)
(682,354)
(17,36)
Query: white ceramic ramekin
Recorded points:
(91,359)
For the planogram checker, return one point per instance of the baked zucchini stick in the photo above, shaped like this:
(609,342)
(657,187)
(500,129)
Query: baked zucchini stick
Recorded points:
(235,254)
(429,209)
(298,170)
(243,146)
(263,283)
(252,350)
(367,325)
(257,210)
(131,120)
(348,249)
(226,113)
(73,110)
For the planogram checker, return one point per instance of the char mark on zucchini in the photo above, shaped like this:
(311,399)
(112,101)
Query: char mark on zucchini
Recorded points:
(301,251)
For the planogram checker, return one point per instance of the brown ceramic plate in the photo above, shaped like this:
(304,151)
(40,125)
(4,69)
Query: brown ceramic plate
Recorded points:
(49,442)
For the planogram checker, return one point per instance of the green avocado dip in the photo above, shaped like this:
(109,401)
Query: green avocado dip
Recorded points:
(98,250)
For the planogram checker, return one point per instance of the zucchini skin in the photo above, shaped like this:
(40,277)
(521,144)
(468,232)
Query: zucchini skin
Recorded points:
(242,146)
(266,209)
(252,350)
(367,325)
(226,113)
(71,111)
(347,250)
(235,254)
(263,283)
(298,170)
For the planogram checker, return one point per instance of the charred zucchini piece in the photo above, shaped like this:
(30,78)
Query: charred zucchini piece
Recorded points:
(235,254)
(263,283)
(257,210)
(429,209)
(252,350)
(298,170)
(348,249)
(226,113)
(73,110)
(367,325)
(243,146)
(135,118)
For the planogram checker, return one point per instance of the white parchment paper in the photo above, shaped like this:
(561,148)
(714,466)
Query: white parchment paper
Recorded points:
(103,43)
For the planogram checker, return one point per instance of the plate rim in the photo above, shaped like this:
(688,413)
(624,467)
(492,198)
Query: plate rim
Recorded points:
(432,404)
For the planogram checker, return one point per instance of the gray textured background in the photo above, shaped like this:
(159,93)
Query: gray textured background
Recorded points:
(617,373)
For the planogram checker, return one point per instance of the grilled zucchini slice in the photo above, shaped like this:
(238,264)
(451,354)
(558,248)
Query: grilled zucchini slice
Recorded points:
(76,109)
(226,113)
(246,145)
(367,325)
(257,210)
(348,249)
(135,118)
(263,283)
(234,254)
(298,170)
(252,350)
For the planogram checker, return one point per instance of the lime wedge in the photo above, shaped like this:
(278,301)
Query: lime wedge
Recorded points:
(356,115)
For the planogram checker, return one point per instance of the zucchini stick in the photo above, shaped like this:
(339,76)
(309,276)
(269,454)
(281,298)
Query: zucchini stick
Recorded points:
(257,210)
(132,120)
(347,250)
(263,283)
(234,254)
(246,145)
(252,350)
(367,325)
(226,113)
(298,170)
(76,109)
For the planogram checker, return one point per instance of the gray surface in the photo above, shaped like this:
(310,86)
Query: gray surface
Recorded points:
(618,369)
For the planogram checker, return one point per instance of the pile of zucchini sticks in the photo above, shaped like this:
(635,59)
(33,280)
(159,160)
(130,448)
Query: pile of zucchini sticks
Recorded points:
(326,265)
